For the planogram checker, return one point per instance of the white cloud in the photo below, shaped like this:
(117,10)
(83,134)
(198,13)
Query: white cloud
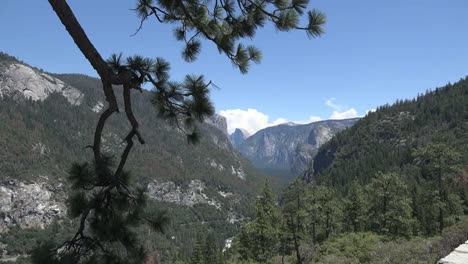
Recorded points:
(252,120)
(278,121)
(340,111)
(329,102)
(309,120)
(350,113)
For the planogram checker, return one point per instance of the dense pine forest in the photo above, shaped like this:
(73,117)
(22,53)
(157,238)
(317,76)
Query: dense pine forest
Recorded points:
(390,189)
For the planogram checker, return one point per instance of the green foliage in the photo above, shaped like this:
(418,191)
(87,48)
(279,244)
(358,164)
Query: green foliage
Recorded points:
(384,186)
(422,140)
(299,220)
(258,240)
(376,249)
(197,254)
(21,241)
(354,247)
(109,208)
(385,139)
(354,211)
(390,206)
(439,168)
(227,23)
(66,130)
(206,251)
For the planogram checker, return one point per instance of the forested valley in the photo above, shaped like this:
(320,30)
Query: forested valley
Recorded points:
(146,160)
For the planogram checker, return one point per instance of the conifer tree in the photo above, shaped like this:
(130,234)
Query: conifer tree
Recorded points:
(439,165)
(103,201)
(354,209)
(198,254)
(210,251)
(390,206)
(330,210)
(259,239)
(295,215)
(313,208)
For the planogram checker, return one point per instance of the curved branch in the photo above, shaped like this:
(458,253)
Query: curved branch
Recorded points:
(68,19)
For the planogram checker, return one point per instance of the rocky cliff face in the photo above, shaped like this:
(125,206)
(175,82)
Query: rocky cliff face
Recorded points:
(239,136)
(29,205)
(20,80)
(171,193)
(290,147)
(219,122)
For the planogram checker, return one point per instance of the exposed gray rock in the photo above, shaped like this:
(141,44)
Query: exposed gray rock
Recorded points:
(18,79)
(239,136)
(228,244)
(216,165)
(111,143)
(233,217)
(221,141)
(238,172)
(225,194)
(40,148)
(28,205)
(171,193)
(290,147)
(218,121)
(98,107)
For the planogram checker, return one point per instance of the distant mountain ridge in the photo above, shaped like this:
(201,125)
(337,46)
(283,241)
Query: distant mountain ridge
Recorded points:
(288,148)
(239,136)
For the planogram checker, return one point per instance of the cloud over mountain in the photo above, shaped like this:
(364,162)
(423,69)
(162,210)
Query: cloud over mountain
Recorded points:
(253,120)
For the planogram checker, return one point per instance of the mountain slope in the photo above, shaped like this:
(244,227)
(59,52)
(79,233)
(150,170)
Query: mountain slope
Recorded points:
(385,139)
(239,136)
(207,186)
(289,148)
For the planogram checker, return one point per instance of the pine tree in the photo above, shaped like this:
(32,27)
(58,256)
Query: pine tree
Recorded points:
(210,251)
(439,164)
(295,215)
(313,208)
(198,254)
(390,206)
(330,210)
(355,209)
(102,198)
(259,239)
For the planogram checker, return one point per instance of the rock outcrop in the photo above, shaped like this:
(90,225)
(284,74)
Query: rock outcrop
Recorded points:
(218,121)
(239,136)
(20,80)
(171,193)
(29,205)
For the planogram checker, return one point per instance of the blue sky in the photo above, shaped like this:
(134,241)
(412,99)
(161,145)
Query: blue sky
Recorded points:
(373,53)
